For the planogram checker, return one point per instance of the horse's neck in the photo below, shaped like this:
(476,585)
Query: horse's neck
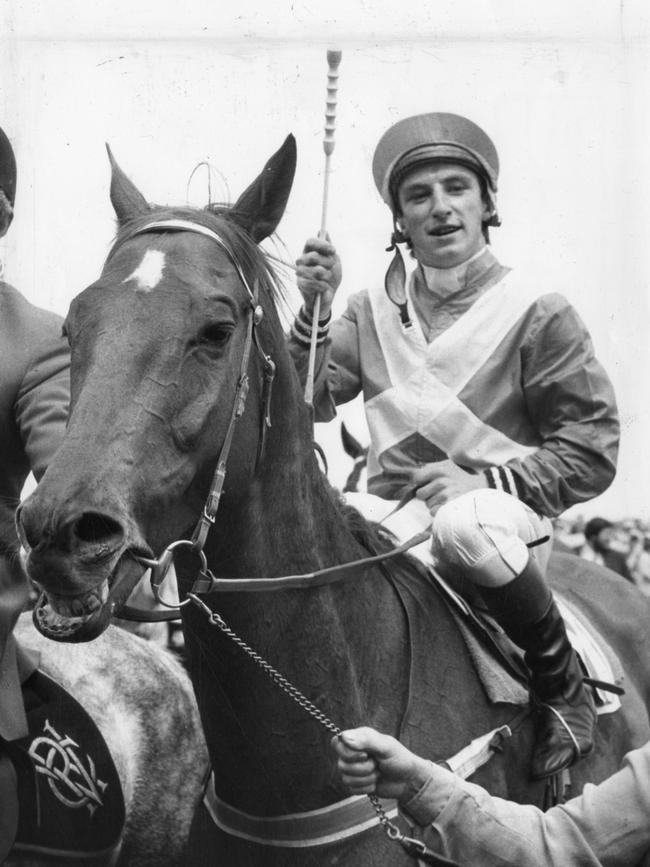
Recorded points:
(272,755)
(286,517)
(288,523)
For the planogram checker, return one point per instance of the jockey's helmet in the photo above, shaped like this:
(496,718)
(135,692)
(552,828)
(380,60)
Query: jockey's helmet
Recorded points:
(425,138)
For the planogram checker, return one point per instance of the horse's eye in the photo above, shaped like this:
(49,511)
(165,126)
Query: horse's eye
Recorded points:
(215,334)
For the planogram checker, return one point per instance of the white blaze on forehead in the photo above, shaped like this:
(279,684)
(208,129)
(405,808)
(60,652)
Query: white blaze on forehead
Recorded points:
(149,272)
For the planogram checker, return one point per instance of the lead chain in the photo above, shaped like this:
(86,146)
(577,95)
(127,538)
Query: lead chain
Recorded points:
(216,620)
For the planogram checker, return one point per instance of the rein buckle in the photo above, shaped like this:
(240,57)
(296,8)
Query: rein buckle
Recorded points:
(161,566)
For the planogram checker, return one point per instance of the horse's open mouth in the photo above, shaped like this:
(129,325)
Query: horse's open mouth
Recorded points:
(85,616)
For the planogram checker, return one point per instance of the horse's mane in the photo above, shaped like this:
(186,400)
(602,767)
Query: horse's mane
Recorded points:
(373,537)
(255,262)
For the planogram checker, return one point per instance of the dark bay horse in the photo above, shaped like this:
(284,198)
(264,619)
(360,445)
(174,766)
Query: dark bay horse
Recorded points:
(170,380)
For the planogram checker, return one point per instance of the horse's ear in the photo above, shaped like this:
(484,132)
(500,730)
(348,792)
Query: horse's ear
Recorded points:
(126,198)
(351,445)
(260,207)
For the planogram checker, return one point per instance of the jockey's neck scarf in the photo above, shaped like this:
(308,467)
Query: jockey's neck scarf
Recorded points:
(447,281)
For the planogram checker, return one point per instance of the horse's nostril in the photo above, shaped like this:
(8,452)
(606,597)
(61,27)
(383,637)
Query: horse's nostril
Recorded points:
(95,527)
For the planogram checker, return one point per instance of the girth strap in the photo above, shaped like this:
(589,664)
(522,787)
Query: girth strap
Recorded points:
(331,824)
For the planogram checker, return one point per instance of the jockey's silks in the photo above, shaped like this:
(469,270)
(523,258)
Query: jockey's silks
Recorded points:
(421,394)
(505,375)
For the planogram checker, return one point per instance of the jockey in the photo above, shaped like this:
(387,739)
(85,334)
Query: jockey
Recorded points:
(606,825)
(34,394)
(482,395)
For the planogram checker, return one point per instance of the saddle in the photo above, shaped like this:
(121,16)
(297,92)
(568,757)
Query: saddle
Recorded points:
(61,782)
(498,662)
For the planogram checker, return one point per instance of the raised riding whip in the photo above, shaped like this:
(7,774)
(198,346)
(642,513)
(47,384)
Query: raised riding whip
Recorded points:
(333,61)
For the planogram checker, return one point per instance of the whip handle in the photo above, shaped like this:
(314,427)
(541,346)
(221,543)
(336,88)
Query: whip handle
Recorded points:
(333,61)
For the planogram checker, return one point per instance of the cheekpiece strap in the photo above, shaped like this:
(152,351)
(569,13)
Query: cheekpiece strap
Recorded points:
(395,285)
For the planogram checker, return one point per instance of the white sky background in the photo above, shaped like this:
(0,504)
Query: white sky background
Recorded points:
(562,88)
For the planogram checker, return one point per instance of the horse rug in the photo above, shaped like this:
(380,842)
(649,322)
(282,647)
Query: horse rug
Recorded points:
(70,802)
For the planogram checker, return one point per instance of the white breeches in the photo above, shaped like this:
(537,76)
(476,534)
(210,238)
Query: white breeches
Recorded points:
(484,535)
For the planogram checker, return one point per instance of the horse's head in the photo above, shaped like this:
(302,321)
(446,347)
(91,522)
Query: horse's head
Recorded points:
(182,312)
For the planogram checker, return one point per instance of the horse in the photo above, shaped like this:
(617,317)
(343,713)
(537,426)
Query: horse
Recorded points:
(142,702)
(189,435)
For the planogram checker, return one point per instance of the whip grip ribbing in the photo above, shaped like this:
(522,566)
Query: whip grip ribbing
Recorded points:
(333,60)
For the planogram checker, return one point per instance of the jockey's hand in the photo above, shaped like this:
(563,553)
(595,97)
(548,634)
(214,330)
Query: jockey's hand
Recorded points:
(373,763)
(443,481)
(318,271)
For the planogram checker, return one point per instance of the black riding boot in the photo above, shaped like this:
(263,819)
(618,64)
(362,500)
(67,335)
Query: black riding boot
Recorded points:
(566,714)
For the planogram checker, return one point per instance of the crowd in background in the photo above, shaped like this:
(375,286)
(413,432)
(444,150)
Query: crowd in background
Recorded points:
(623,546)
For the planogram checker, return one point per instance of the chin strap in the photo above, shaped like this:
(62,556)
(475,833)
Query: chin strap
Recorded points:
(395,279)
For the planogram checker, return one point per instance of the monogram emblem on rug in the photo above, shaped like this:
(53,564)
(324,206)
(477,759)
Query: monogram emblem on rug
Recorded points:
(72,783)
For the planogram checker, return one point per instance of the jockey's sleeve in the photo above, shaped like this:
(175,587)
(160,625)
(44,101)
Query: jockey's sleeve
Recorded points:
(571,403)
(44,394)
(606,826)
(337,373)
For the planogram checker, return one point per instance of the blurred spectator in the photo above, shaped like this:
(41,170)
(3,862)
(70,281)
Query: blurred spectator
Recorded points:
(605,545)
(638,560)
(568,536)
(622,545)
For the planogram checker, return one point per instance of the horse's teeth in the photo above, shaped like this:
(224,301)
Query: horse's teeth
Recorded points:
(77,607)
(87,605)
(80,606)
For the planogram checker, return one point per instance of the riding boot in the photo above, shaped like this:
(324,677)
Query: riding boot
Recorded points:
(566,714)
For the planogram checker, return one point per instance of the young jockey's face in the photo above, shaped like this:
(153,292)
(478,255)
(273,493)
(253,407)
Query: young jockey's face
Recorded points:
(442,212)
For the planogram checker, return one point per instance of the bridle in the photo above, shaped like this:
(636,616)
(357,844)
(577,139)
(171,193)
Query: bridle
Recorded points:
(206,581)
(159,567)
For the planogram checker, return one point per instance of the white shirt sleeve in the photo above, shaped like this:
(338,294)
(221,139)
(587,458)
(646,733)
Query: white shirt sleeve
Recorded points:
(607,826)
